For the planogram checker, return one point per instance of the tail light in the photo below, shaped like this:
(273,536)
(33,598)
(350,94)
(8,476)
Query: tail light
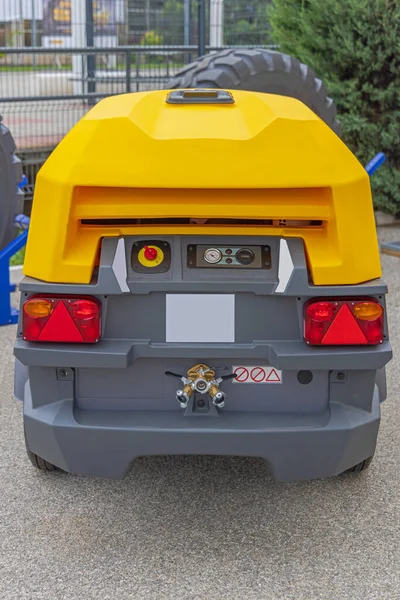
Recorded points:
(346,322)
(61,319)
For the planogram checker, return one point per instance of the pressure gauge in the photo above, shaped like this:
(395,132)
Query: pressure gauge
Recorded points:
(212,255)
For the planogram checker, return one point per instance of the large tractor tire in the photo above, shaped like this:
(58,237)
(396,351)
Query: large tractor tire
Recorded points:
(259,70)
(10,196)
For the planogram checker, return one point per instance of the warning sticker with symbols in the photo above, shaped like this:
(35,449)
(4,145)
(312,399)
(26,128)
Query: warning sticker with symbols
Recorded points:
(256,374)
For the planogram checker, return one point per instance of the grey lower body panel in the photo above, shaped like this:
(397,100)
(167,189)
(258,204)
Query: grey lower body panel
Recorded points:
(105,443)
(94,409)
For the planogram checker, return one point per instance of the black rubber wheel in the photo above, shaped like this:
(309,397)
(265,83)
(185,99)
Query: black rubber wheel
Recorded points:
(259,70)
(11,199)
(38,462)
(364,464)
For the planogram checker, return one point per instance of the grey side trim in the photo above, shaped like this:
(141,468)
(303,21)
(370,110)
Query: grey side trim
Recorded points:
(286,267)
(21,375)
(294,288)
(301,285)
(105,283)
(281,355)
(294,278)
(119,265)
(380,381)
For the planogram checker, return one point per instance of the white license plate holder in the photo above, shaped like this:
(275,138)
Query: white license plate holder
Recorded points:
(200,318)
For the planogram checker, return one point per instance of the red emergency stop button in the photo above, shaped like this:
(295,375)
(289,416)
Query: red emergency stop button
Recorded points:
(150,253)
(150,256)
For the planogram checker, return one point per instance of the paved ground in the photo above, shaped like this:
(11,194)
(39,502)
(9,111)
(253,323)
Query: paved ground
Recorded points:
(200,528)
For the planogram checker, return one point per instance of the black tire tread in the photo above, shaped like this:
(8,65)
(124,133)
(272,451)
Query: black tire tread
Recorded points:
(42,464)
(38,462)
(241,69)
(362,466)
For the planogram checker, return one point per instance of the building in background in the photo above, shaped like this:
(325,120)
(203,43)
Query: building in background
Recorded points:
(16,22)
(149,22)
(63,19)
(144,16)
(49,23)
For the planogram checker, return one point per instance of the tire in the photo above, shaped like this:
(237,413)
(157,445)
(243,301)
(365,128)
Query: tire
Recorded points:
(11,198)
(362,466)
(38,462)
(259,70)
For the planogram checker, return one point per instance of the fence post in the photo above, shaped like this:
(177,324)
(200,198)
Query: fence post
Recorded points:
(137,67)
(217,23)
(33,34)
(202,27)
(79,61)
(91,60)
(128,71)
(187,34)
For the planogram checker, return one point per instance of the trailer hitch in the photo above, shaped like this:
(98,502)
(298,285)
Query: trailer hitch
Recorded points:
(202,379)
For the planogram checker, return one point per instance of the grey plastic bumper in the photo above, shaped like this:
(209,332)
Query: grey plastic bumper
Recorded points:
(119,354)
(105,443)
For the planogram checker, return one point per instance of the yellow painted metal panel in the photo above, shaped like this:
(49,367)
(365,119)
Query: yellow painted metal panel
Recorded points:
(264,157)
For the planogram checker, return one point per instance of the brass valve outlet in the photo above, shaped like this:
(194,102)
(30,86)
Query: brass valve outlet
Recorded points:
(201,379)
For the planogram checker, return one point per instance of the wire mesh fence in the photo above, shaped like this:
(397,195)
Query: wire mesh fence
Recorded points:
(55,23)
(59,57)
(41,104)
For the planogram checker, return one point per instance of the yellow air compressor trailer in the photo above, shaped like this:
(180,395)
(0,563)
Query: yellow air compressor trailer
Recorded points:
(202,276)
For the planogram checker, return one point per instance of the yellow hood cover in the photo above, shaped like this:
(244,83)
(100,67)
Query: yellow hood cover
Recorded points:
(138,158)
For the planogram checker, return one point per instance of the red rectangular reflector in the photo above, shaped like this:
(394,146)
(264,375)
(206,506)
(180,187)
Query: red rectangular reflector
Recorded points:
(343,322)
(67,319)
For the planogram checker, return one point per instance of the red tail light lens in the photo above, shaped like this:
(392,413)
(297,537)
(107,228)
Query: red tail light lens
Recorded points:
(61,319)
(321,311)
(343,322)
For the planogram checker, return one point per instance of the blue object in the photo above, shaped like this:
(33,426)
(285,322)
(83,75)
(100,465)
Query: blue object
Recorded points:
(22,221)
(23,182)
(375,163)
(9,315)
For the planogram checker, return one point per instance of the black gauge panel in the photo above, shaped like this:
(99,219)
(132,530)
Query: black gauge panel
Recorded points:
(214,256)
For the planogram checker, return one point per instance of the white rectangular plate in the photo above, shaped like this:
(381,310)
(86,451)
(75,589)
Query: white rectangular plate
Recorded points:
(200,318)
(256,374)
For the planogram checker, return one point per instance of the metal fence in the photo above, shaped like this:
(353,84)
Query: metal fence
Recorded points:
(40,104)
(49,23)
(45,90)
(41,100)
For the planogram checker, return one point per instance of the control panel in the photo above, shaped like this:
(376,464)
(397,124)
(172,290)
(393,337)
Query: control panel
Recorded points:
(228,257)
(151,256)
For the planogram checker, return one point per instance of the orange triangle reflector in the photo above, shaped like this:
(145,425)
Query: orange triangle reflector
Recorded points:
(60,327)
(344,329)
